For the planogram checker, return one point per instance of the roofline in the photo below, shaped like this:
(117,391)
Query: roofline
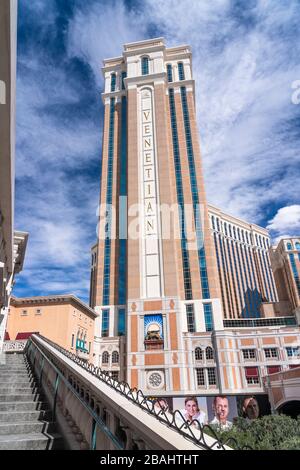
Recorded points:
(63,298)
(252,225)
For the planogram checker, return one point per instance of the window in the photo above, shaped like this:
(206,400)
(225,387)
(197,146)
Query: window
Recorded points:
(249,354)
(208,317)
(271,353)
(209,353)
(123,76)
(115,357)
(169,73)
(105,358)
(200,376)
(145,66)
(252,375)
(72,341)
(180,199)
(213,222)
(198,354)
(211,374)
(121,322)
(180,71)
(293,351)
(105,322)
(24,313)
(273,369)
(190,316)
(38,311)
(289,246)
(113,82)
(297,245)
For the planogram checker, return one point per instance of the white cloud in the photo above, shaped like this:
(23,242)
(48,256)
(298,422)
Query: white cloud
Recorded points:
(287,219)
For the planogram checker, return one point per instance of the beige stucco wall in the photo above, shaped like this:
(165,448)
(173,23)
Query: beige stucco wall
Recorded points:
(57,322)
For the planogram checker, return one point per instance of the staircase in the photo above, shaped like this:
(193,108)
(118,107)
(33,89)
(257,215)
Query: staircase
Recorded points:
(24,414)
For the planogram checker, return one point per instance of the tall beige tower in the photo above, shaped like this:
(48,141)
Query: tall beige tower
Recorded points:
(154,272)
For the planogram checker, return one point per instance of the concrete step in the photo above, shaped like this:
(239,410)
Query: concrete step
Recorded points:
(30,442)
(19,390)
(23,428)
(20,397)
(23,416)
(23,406)
(16,378)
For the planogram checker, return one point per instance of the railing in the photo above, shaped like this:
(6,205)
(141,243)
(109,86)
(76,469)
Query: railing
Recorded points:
(259,322)
(203,436)
(14,346)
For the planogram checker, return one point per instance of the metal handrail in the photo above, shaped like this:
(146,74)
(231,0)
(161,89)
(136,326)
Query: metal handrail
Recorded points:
(194,430)
(97,421)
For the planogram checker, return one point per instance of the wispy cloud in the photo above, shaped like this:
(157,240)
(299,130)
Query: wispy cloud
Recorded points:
(245,59)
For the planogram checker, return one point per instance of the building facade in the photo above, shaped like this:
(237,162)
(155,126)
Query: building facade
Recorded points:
(64,319)
(12,243)
(285,259)
(244,267)
(184,305)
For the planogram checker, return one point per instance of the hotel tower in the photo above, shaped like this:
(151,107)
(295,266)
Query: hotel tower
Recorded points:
(168,271)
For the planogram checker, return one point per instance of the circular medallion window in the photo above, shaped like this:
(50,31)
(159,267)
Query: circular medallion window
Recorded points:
(155,379)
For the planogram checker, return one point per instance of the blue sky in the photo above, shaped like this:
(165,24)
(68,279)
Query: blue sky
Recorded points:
(245,61)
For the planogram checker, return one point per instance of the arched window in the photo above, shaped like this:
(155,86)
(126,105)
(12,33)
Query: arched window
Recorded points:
(243,236)
(209,353)
(234,232)
(198,354)
(297,245)
(145,66)
(239,235)
(113,82)
(225,228)
(213,222)
(115,357)
(247,237)
(105,358)
(180,71)
(218,224)
(289,246)
(169,73)
(230,231)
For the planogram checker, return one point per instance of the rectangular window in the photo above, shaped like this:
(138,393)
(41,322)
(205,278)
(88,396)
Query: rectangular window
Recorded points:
(190,316)
(121,322)
(208,317)
(200,377)
(38,311)
(24,313)
(249,354)
(271,353)
(273,369)
(293,351)
(72,343)
(124,75)
(252,375)
(211,374)
(180,71)
(169,73)
(105,322)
